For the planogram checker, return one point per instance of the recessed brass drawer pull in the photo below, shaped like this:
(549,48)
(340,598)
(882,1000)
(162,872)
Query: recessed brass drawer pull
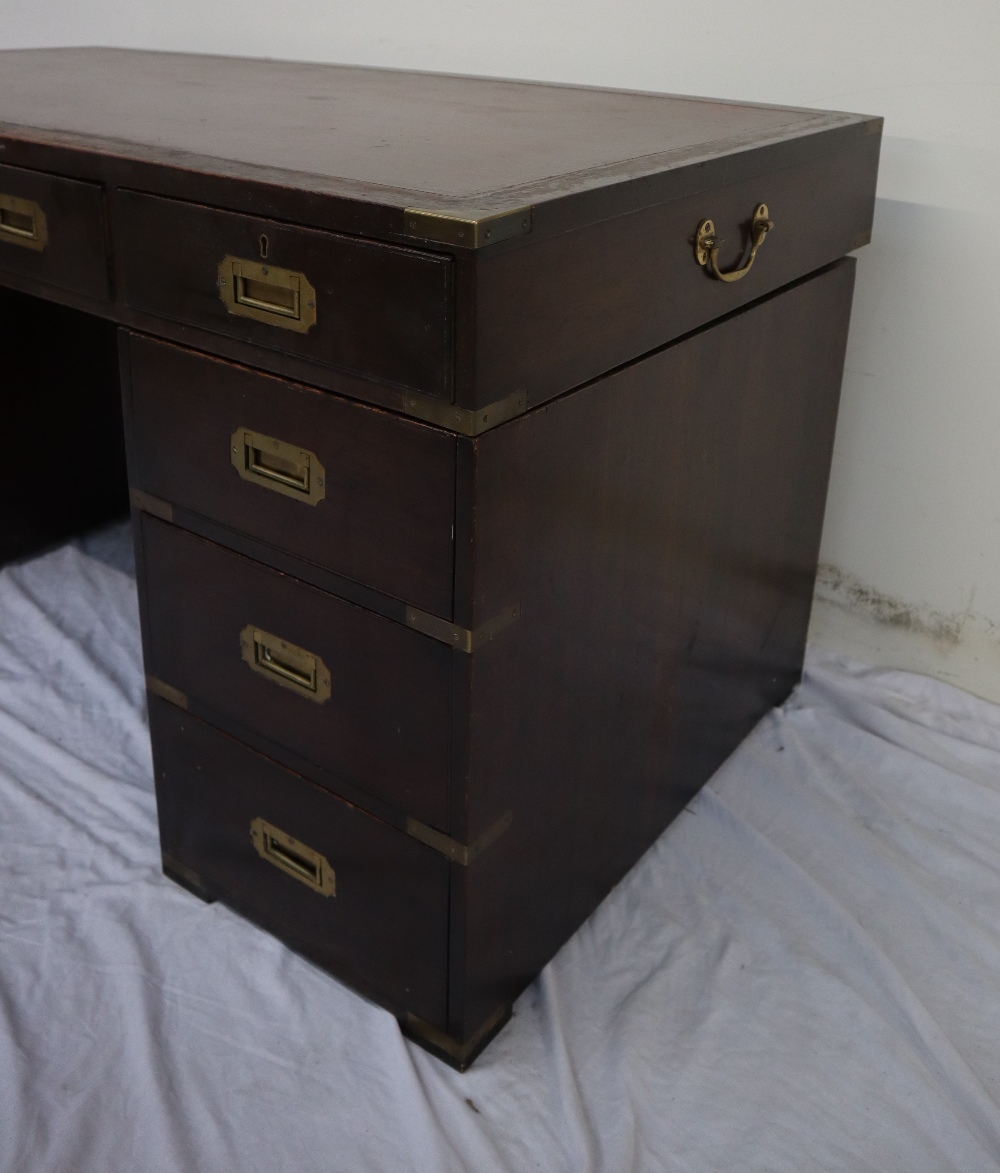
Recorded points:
(285,664)
(294,858)
(265,293)
(275,464)
(706,247)
(23,222)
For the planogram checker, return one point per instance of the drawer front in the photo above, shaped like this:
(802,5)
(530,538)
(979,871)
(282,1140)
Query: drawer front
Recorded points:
(250,450)
(359,898)
(371,309)
(360,696)
(52,231)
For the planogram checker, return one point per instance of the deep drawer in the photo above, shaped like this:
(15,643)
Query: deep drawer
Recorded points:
(52,231)
(360,696)
(361,899)
(372,309)
(350,488)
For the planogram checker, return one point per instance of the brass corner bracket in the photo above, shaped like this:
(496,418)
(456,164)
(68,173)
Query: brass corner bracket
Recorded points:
(461,638)
(166,692)
(455,1054)
(465,420)
(466,231)
(459,853)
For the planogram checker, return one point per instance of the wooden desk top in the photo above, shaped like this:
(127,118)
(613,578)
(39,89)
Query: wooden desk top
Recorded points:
(391,137)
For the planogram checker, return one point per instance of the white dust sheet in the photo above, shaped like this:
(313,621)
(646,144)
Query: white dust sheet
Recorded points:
(802,974)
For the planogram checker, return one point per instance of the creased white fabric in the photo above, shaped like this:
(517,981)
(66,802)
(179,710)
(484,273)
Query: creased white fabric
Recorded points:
(802,974)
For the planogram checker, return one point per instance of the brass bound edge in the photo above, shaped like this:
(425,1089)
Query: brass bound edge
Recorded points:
(166,692)
(150,504)
(455,851)
(182,870)
(461,638)
(463,419)
(466,231)
(186,876)
(460,1054)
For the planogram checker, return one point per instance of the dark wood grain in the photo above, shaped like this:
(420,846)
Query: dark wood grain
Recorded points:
(387,515)
(62,454)
(76,256)
(382,312)
(386,726)
(385,930)
(661,529)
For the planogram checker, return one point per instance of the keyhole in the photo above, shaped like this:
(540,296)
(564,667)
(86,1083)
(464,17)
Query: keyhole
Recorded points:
(263,246)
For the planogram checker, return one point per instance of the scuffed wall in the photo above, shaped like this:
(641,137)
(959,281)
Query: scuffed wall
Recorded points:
(856,620)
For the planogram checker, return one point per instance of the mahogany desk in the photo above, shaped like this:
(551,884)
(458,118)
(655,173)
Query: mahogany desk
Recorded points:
(478,436)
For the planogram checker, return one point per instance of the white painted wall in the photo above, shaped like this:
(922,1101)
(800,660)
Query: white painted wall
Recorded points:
(912,538)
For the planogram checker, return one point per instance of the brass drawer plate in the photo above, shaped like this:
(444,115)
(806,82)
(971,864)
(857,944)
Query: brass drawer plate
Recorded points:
(277,465)
(23,222)
(285,664)
(293,858)
(279,297)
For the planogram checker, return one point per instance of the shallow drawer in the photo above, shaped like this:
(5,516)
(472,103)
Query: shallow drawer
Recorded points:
(350,488)
(360,696)
(361,899)
(52,231)
(371,309)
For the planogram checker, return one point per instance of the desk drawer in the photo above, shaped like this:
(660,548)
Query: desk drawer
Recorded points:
(360,696)
(372,309)
(382,516)
(52,231)
(359,898)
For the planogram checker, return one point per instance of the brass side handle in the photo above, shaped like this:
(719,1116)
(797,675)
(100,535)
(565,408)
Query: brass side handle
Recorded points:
(23,222)
(292,857)
(285,664)
(706,246)
(265,293)
(277,465)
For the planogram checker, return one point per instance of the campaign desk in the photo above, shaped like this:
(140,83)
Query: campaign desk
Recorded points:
(478,436)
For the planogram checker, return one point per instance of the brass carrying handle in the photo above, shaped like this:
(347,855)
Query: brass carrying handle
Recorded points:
(706,246)
(23,222)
